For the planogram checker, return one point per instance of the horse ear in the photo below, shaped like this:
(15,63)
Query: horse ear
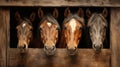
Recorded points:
(105,12)
(67,12)
(32,17)
(88,13)
(80,12)
(55,13)
(40,13)
(17,16)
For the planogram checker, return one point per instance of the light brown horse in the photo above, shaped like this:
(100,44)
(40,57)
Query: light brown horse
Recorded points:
(24,30)
(72,30)
(97,28)
(49,30)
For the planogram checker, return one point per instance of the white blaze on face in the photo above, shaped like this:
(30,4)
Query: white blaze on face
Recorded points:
(23,25)
(73,24)
(49,24)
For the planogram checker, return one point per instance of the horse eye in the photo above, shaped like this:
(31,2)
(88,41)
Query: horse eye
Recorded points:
(65,28)
(105,27)
(30,29)
(90,30)
(40,29)
(17,30)
(57,28)
(80,28)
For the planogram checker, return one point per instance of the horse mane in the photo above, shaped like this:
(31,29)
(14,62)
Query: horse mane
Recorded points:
(50,18)
(80,19)
(96,16)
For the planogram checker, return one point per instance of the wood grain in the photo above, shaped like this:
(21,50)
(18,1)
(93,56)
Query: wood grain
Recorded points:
(37,58)
(61,3)
(4,18)
(115,37)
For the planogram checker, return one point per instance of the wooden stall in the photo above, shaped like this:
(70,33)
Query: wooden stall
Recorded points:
(35,57)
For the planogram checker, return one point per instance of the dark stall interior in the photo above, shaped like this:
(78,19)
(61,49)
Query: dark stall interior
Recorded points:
(26,11)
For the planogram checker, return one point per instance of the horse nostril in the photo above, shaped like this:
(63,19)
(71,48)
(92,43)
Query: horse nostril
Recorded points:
(24,46)
(53,47)
(46,47)
(75,48)
(67,47)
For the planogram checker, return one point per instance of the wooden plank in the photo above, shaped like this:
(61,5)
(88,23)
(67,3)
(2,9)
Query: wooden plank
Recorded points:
(36,58)
(7,33)
(4,18)
(115,36)
(115,1)
(60,3)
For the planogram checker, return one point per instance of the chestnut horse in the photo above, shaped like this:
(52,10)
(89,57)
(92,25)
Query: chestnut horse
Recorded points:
(72,30)
(24,30)
(49,30)
(97,28)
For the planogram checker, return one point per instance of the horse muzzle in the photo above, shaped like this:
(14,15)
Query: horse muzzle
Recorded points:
(97,47)
(22,46)
(50,50)
(72,51)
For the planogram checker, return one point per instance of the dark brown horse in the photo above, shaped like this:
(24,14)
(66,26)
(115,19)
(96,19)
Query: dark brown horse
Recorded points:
(72,30)
(97,28)
(49,30)
(24,30)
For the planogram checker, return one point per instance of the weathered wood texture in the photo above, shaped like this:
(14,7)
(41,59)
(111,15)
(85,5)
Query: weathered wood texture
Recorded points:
(4,18)
(115,36)
(107,3)
(37,58)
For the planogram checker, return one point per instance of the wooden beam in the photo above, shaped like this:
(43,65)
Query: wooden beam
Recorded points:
(115,37)
(61,3)
(37,58)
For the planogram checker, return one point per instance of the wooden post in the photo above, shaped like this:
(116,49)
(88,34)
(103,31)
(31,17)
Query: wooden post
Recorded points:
(115,37)
(4,18)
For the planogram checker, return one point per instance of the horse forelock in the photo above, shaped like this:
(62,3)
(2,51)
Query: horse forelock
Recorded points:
(24,22)
(75,16)
(27,20)
(50,19)
(98,20)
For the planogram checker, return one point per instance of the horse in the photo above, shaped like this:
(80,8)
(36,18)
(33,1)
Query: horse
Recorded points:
(72,28)
(97,25)
(49,30)
(24,30)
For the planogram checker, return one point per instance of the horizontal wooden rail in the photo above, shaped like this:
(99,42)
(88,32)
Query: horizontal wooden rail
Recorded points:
(60,3)
(35,57)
